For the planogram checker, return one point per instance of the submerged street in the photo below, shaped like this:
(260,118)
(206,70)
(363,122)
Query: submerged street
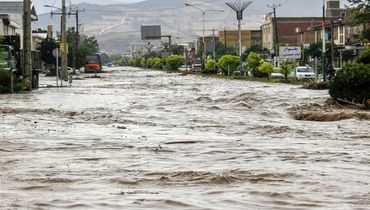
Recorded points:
(140,139)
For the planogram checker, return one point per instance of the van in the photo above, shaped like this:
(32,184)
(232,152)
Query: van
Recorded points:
(93,64)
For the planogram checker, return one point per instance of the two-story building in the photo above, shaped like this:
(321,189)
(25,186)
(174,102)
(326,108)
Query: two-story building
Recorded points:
(11,15)
(306,30)
(7,25)
(230,38)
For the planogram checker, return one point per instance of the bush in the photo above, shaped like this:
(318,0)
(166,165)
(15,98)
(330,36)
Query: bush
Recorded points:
(253,60)
(5,83)
(174,62)
(286,69)
(143,63)
(157,63)
(210,64)
(150,62)
(5,79)
(364,57)
(227,61)
(210,67)
(136,61)
(352,83)
(119,62)
(266,68)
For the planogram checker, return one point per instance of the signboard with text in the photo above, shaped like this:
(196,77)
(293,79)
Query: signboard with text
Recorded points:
(290,52)
(151,32)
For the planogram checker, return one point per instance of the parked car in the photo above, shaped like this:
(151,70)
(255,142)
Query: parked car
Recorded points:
(277,75)
(304,72)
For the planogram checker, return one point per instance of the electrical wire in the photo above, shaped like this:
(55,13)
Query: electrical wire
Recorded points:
(129,11)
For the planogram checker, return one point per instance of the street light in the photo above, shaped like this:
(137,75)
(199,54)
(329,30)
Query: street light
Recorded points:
(239,7)
(204,11)
(63,39)
(323,41)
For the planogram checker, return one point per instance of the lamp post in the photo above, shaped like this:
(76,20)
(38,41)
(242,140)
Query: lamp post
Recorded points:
(239,7)
(323,41)
(204,11)
(63,45)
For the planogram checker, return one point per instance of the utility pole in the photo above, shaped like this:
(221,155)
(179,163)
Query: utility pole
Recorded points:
(64,46)
(225,39)
(276,35)
(214,44)
(76,37)
(332,42)
(27,54)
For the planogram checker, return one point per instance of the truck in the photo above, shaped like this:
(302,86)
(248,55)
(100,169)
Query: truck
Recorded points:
(13,56)
(7,59)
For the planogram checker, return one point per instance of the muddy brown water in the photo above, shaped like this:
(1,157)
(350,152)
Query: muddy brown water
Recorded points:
(137,139)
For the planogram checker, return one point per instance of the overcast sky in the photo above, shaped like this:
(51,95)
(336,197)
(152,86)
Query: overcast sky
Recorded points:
(39,4)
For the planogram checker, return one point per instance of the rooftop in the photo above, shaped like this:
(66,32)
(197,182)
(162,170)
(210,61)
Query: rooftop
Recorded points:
(15,7)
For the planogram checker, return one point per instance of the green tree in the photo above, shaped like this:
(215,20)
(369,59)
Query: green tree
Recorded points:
(352,83)
(211,67)
(360,15)
(136,61)
(174,62)
(229,62)
(88,45)
(46,50)
(210,64)
(314,50)
(253,62)
(255,49)
(364,57)
(221,50)
(266,67)
(286,68)
(157,63)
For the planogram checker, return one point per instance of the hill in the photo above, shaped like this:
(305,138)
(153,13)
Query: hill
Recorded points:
(117,26)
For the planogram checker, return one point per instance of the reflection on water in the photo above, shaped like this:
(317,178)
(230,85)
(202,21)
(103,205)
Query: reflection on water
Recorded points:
(139,139)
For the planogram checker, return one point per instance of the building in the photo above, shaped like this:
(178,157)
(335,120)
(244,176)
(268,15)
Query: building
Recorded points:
(7,26)
(306,30)
(37,37)
(11,13)
(289,30)
(333,10)
(230,38)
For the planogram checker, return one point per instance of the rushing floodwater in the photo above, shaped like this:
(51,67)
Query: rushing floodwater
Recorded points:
(137,139)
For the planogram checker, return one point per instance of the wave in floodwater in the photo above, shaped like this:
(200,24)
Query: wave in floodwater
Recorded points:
(139,139)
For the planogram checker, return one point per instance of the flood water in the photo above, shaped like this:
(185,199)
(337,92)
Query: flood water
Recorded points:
(138,139)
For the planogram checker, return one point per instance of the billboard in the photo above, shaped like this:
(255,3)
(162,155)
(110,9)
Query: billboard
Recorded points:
(151,32)
(290,52)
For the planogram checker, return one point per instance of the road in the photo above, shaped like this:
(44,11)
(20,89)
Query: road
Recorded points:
(140,139)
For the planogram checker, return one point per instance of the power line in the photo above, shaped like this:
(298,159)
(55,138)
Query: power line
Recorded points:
(274,6)
(128,11)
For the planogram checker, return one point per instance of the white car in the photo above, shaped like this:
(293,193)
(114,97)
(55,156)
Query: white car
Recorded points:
(304,72)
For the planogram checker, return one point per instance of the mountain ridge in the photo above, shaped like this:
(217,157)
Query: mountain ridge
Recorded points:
(117,26)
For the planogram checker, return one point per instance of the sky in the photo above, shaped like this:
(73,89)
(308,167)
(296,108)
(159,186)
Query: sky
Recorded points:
(39,4)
